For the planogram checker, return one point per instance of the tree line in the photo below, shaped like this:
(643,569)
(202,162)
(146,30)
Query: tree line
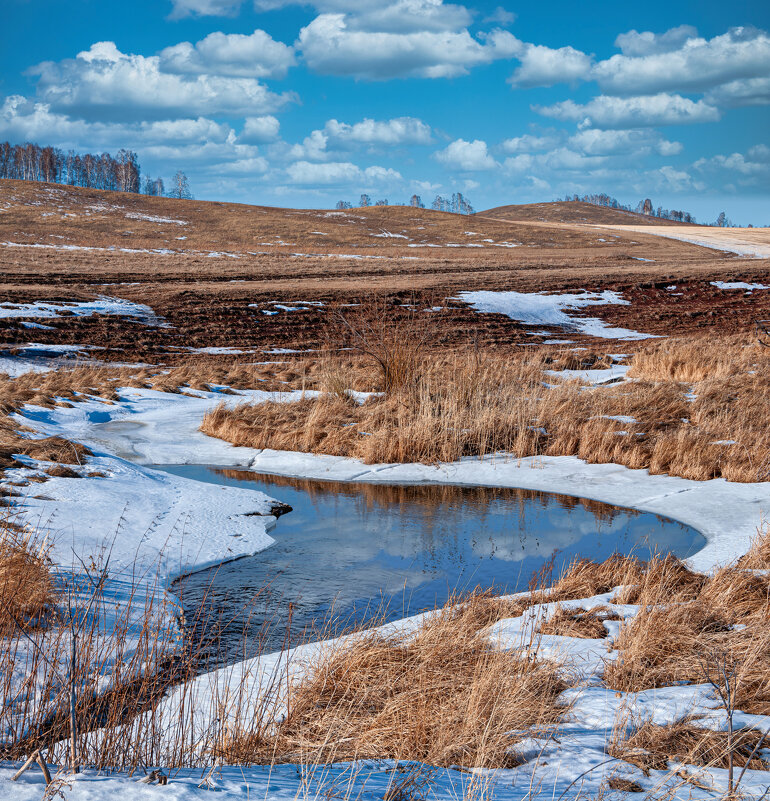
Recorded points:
(646,207)
(119,173)
(455,204)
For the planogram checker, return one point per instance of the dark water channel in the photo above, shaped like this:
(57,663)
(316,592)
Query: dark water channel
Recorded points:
(385,551)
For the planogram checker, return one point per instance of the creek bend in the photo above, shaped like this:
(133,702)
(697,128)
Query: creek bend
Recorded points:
(362,552)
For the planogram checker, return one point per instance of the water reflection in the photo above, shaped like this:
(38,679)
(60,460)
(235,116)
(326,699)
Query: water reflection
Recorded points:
(355,547)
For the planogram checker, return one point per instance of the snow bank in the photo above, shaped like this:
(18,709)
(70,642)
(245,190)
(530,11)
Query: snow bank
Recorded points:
(737,285)
(538,308)
(116,307)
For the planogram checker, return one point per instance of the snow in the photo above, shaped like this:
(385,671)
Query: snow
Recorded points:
(538,308)
(102,305)
(135,215)
(389,235)
(193,524)
(737,285)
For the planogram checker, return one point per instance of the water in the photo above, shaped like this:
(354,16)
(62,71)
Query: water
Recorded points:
(353,548)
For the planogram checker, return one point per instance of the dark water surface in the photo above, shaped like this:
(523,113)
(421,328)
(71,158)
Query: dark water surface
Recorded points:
(354,548)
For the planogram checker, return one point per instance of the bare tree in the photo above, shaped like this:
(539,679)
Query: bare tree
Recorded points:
(180,188)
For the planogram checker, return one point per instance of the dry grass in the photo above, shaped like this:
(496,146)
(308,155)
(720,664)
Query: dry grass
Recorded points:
(439,695)
(585,623)
(651,747)
(475,404)
(26,587)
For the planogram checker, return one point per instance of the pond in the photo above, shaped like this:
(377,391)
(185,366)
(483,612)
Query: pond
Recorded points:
(375,552)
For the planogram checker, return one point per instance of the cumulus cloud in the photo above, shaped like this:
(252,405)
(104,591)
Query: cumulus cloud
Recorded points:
(648,43)
(331,45)
(545,66)
(397,131)
(388,16)
(257,55)
(528,143)
(598,142)
(338,173)
(259,130)
(679,61)
(632,112)
(746,170)
(745,92)
(103,83)
(501,16)
(201,8)
(466,156)
(22,119)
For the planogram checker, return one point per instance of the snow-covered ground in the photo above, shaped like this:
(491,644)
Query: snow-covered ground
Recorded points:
(753,242)
(169,525)
(539,308)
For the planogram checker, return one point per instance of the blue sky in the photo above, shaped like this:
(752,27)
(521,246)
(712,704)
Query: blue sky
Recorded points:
(302,104)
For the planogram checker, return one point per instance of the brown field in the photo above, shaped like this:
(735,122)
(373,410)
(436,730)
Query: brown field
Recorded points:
(218,300)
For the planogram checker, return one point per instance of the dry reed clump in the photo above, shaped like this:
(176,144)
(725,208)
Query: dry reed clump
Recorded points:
(475,404)
(584,623)
(439,695)
(26,586)
(650,746)
(671,637)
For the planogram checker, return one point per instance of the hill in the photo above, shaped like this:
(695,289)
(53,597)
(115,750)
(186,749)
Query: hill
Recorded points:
(575,212)
(226,274)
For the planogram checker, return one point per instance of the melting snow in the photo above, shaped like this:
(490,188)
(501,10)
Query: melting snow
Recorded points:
(737,285)
(535,308)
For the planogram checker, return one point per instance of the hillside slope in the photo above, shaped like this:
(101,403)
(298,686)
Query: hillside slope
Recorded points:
(575,212)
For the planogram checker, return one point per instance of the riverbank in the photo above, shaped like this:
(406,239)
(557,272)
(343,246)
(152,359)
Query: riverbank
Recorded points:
(156,427)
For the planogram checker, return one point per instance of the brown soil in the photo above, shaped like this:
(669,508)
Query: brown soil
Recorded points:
(219,300)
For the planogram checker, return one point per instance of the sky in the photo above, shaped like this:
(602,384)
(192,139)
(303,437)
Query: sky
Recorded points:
(288,103)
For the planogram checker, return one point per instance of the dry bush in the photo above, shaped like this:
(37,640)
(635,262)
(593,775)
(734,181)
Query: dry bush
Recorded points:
(585,623)
(26,585)
(651,747)
(439,695)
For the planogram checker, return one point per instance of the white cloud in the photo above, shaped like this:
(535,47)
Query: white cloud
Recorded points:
(501,16)
(528,143)
(331,45)
(744,92)
(647,43)
(338,173)
(200,8)
(258,130)
(386,16)
(632,112)
(598,142)
(257,55)
(679,61)
(312,147)
(545,66)
(397,131)
(752,169)
(466,156)
(103,83)
(22,119)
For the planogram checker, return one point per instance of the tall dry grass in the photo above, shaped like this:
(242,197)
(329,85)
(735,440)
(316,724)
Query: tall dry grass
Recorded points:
(439,695)
(476,404)
(27,591)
